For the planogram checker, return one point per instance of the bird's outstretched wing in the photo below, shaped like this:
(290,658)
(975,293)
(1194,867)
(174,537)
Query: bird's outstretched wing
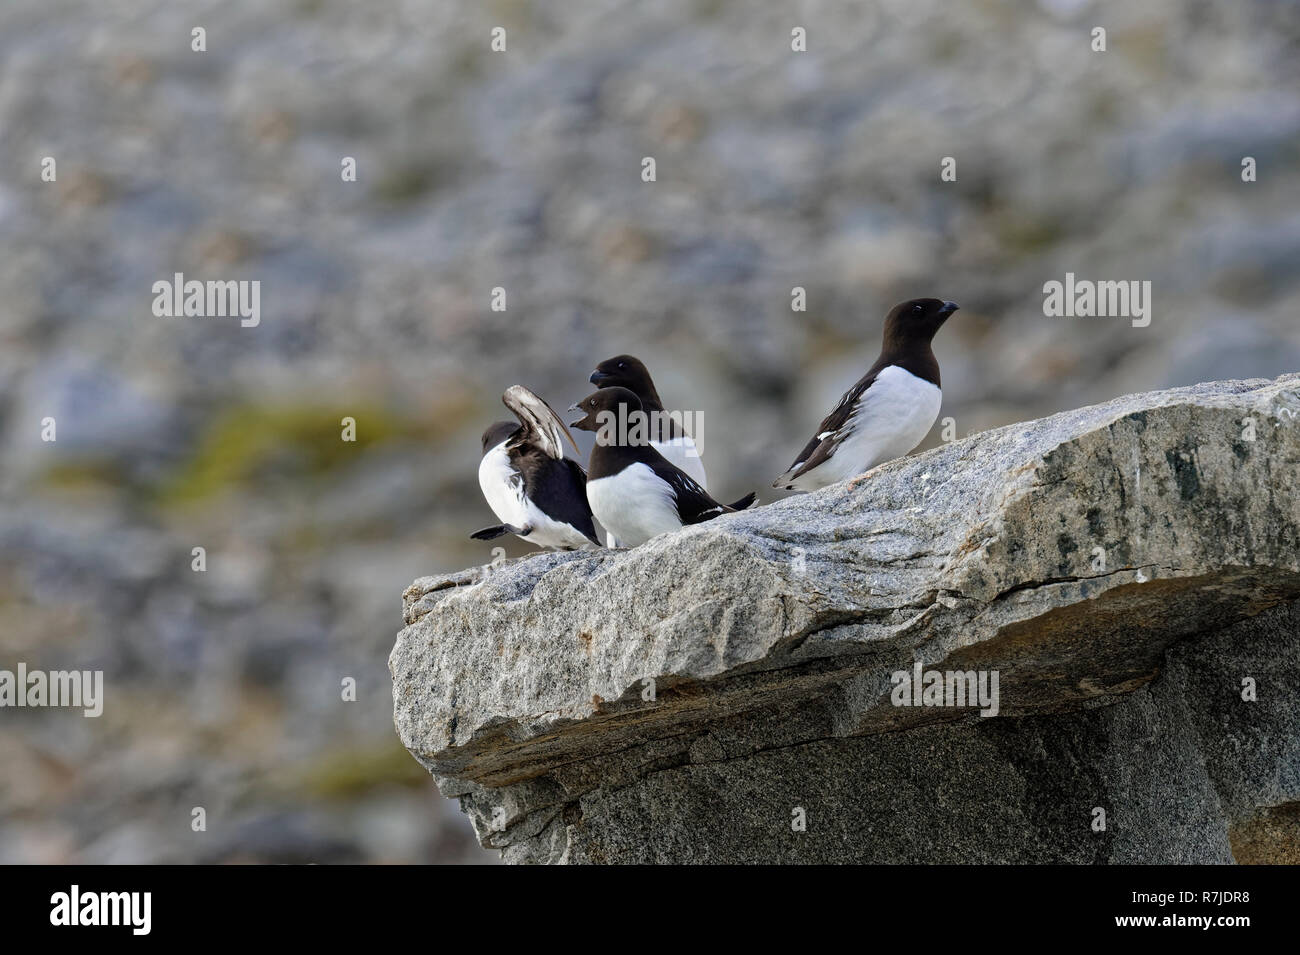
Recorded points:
(542,426)
(833,429)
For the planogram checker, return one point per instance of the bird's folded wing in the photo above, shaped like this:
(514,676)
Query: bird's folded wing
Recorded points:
(541,424)
(693,502)
(833,429)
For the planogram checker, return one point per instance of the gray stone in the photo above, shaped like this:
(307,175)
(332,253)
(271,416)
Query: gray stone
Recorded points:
(1123,568)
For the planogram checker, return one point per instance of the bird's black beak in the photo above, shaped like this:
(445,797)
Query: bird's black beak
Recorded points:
(948,308)
(597,377)
(576,424)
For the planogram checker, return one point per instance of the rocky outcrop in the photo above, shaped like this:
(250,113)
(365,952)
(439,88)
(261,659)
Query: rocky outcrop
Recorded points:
(1128,572)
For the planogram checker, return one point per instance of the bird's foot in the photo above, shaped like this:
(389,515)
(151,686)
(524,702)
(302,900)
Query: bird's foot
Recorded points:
(860,479)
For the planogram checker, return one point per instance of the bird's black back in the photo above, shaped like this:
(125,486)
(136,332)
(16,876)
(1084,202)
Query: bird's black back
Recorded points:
(556,485)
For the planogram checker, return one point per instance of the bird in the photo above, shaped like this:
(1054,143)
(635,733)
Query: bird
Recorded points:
(634,491)
(667,435)
(537,493)
(888,412)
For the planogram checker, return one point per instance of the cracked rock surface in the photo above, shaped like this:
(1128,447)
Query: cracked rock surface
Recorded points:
(723,694)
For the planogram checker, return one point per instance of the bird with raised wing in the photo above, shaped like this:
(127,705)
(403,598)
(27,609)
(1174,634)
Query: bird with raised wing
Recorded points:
(537,493)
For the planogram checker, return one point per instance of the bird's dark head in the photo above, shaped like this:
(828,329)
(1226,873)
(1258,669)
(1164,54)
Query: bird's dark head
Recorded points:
(497,432)
(605,407)
(624,371)
(916,320)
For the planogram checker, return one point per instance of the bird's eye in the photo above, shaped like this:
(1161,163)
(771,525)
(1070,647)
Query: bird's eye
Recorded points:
(916,308)
(622,364)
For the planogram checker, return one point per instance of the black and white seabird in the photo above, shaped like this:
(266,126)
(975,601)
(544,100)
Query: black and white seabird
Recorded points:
(634,491)
(535,491)
(888,412)
(667,435)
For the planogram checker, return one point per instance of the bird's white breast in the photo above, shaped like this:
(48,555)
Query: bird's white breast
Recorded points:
(503,487)
(891,418)
(634,504)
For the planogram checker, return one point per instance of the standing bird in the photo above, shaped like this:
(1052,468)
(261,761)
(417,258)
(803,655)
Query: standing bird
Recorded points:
(888,412)
(634,491)
(667,436)
(536,492)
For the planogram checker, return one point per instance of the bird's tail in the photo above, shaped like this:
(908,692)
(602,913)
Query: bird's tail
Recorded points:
(500,530)
(744,502)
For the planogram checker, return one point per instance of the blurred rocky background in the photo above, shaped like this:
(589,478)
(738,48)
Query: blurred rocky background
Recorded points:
(522,170)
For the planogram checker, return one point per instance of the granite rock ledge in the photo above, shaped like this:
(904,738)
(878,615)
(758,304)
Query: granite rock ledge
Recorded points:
(1123,567)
